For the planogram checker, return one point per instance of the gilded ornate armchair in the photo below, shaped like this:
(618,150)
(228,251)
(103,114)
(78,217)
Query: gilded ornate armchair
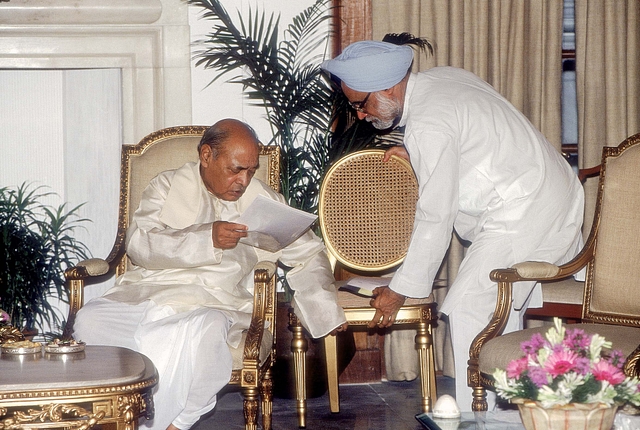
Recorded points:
(611,305)
(170,148)
(366,212)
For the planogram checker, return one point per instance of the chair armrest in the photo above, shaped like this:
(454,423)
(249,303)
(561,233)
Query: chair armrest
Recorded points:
(75,278)
(536,269)
(268,266)
(263,301)
(525,271)
(87,268)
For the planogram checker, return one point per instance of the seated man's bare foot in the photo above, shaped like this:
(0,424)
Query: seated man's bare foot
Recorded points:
(172,427)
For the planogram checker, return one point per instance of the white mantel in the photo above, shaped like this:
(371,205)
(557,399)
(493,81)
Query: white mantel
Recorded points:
(148,40)
(70,12)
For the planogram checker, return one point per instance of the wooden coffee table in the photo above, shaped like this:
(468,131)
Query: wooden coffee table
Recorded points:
(103,385)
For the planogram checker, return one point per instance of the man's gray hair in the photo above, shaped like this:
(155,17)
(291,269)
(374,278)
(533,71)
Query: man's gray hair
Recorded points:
(217,134)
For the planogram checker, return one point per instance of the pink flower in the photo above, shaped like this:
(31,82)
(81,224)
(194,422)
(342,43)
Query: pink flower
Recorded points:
(576,340)
(560,362)
(604,371)
(4,317)
(516,367)
(531,347)
(538,376)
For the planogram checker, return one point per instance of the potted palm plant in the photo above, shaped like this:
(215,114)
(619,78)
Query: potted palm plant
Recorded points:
(310,121)
(36,246)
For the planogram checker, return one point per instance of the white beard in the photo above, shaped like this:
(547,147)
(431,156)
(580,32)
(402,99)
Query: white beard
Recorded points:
(388,110)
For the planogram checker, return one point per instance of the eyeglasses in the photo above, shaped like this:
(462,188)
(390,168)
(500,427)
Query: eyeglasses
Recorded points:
(359,106)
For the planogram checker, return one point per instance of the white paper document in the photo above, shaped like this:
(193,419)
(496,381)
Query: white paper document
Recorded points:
(273,225)
(364,285)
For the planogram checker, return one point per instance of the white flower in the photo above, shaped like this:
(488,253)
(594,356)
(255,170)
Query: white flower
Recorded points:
(570,382)
(595,347)
(606,395)
(506,388)
(555,335)
(543,354)
(548,398)
(629,389)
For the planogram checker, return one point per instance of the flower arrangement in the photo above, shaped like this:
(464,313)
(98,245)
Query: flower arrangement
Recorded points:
(4,317)
(567,367)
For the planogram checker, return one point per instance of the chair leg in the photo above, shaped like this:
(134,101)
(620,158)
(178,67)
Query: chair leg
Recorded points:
(250,408)
(432,367)
(479,403)
(331,358)
(266,393)
(299,347)
(424,343)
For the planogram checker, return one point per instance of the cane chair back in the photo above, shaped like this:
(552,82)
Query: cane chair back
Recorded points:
(168,149)
(611,305)
(366,213)
(366,210)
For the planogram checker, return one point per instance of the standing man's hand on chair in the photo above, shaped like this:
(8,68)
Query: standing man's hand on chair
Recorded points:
(387,303)
(398,151)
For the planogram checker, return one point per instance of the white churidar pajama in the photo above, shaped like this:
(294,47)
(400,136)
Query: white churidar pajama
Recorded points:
(184,302)
(484,170)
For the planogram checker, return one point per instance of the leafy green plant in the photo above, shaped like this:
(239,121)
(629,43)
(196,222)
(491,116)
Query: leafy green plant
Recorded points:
(36,246)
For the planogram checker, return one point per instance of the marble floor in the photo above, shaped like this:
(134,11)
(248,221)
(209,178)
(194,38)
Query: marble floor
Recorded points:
(379,406)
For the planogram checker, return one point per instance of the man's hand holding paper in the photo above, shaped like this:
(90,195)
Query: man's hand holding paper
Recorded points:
(226,235)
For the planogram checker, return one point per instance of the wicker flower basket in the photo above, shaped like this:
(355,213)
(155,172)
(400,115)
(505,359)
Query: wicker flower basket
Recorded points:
(574,416)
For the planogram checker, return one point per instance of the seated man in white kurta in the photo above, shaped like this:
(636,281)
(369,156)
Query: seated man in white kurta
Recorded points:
(189,295)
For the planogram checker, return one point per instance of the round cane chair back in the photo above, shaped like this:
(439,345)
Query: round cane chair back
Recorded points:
(366,210)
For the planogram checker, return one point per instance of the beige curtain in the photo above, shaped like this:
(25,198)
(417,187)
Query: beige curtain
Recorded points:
(515,45)
(608,83)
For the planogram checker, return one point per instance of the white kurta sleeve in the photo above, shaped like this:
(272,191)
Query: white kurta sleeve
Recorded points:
(154,245)
(435,160)
(311,279)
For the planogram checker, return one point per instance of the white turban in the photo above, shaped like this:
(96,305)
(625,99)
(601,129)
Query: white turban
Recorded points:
(370,65)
